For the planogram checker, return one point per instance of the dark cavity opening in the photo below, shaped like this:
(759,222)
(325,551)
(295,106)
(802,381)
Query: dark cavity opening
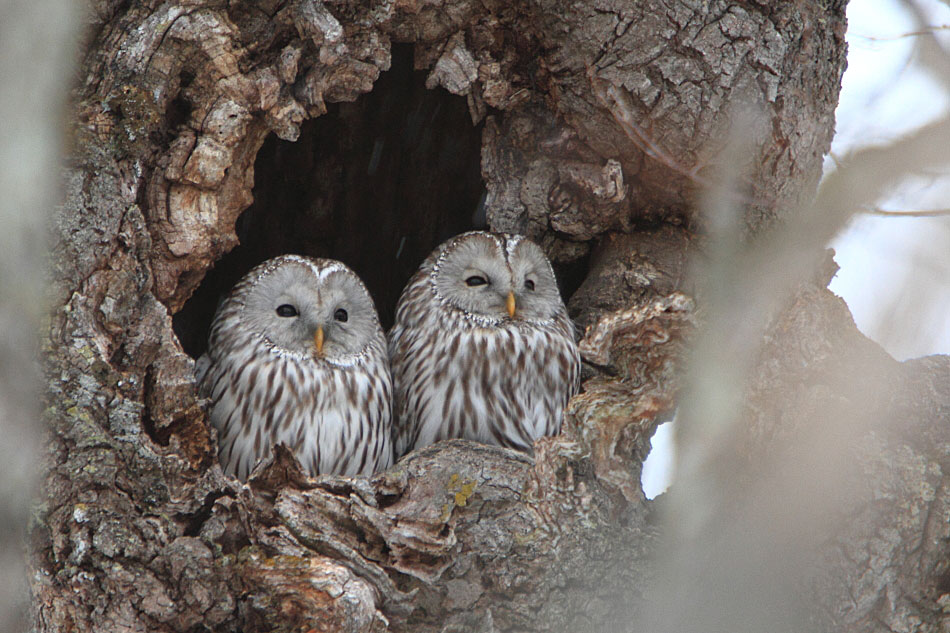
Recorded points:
(376,184)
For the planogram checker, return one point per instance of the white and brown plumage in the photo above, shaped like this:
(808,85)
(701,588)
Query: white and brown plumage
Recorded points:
(482,347)
(296,355)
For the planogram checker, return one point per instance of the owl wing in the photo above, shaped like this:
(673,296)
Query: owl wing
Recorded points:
(202,365)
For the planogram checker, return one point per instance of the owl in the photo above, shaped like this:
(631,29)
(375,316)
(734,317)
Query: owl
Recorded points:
(296,355)
(482,347)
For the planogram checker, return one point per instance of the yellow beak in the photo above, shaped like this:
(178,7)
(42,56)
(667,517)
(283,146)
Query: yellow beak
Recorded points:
(510,304)
(318,340)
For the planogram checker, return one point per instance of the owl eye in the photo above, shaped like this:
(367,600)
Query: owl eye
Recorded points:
(476,280)
(341,315)
(286,310)
(529,284)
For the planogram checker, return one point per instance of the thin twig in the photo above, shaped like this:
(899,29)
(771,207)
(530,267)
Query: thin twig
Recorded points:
(933,213)
(933,54)
(930,30)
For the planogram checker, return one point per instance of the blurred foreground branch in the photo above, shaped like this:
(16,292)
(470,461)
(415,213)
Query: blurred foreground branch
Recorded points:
(786,431)
(186,115)
(35,63)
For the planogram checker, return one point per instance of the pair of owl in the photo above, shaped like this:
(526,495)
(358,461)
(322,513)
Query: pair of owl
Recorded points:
(482,349)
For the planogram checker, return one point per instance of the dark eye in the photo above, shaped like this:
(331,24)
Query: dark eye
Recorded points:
(475,280)
(286,310)
(341,315)
(529,284)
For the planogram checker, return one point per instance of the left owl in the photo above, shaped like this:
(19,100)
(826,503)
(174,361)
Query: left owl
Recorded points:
(296,355)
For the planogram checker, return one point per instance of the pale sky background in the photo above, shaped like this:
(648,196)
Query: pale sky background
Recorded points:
(893,270)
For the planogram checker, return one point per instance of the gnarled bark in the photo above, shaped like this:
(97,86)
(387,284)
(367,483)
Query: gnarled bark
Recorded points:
(599,124)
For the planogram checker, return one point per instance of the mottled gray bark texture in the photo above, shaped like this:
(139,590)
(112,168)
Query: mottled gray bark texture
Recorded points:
(885,563)
(36,42)
(600,123)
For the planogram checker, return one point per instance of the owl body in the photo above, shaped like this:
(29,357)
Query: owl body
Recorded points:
(271,378)
(495,362)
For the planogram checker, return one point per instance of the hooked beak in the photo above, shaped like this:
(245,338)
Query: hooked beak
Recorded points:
(318,340)
(510,304)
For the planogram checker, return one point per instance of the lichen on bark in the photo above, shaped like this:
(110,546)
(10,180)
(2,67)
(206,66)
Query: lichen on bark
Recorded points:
(600,123)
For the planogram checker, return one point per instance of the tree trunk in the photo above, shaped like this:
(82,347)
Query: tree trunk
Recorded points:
(210,136)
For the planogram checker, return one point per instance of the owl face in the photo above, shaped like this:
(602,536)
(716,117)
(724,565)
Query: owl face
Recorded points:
(496,277)
(311,308)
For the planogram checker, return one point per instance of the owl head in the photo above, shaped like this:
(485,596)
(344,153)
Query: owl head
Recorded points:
(495,278)
(312,308)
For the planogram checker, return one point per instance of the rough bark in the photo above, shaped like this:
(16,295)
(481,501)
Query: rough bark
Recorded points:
(38,37)
(600,122)
(884,565)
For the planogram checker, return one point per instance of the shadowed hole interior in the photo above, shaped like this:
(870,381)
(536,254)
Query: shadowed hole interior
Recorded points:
(376,183)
